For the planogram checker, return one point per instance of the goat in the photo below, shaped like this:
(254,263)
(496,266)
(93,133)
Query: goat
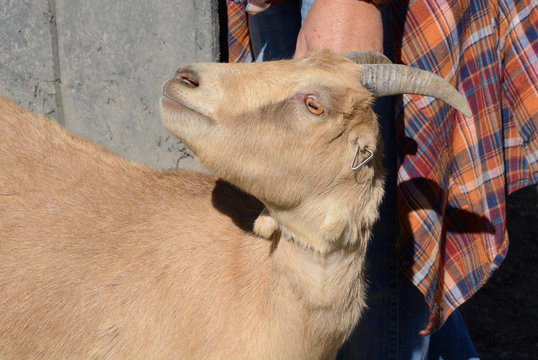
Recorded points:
(105,258)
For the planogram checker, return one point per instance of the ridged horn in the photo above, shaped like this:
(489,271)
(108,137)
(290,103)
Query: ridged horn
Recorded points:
(367,57)
(393,79)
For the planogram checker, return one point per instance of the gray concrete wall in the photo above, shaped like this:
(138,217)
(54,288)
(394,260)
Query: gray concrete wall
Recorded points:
(97,66)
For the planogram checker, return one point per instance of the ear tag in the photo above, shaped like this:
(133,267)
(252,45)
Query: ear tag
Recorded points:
(358,151)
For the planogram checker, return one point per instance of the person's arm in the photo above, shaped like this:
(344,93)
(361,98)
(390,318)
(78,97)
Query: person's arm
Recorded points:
(342,26)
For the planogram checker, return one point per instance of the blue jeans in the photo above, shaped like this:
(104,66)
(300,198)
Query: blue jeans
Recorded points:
(396,310)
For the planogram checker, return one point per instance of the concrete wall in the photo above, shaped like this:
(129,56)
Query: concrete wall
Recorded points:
(97,66)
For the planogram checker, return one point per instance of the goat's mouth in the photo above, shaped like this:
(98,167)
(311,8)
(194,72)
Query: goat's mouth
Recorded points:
(174,105)
(178,105)
(178,108)
(181,120)
(179,90)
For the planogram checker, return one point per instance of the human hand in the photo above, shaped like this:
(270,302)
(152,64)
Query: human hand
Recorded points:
(342,26)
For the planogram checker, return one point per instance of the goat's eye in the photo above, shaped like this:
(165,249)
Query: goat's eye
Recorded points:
(313,105)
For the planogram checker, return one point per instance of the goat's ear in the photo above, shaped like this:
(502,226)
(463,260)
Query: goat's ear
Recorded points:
(362,146)
(364,136)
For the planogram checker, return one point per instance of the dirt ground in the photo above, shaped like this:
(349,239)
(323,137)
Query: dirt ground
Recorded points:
(502,317)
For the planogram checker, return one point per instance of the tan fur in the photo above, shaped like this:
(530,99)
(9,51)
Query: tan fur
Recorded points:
(103,258)
(265,225)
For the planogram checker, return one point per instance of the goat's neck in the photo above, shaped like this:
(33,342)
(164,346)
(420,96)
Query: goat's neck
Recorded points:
(318,260)
(328,223)
(319,277)
(320,296)
(339,215)
(323,246)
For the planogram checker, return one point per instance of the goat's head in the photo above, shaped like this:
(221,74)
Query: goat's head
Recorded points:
(288,132)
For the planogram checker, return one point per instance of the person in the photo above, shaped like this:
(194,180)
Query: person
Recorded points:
(448,175)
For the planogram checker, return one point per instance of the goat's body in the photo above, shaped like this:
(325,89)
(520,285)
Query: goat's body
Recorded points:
(103,258)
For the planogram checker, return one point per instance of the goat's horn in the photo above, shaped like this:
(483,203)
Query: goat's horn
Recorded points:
(367,57)
(392,79)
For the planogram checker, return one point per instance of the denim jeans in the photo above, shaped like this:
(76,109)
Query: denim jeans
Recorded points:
(389,327)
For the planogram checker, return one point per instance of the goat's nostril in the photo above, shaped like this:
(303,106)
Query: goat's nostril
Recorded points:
(188,77)
(188,81)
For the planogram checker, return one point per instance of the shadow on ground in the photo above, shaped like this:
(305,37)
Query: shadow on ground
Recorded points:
(502,317)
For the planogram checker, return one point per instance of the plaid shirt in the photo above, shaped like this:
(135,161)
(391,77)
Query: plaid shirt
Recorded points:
(455,172)
(238,39)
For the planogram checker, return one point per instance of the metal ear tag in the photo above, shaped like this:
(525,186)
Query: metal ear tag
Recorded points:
(364,161)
